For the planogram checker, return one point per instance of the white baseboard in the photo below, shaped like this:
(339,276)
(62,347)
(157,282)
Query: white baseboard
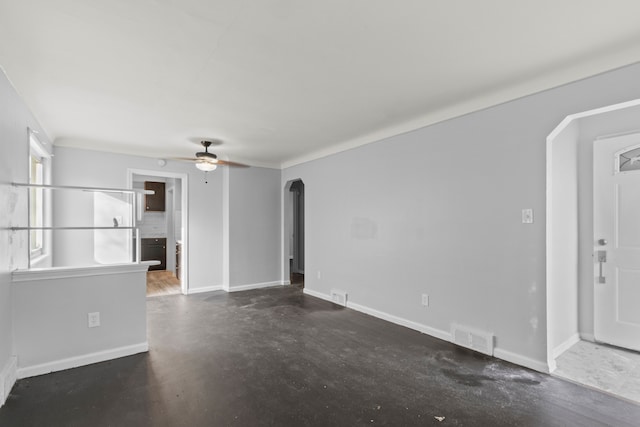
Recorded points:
(85,359)
(443,335)
(588,337)
(8,377)
(253,286)
(573,339)
(437,333)
(205,289)
(285,282)
(518,359)
(317,294)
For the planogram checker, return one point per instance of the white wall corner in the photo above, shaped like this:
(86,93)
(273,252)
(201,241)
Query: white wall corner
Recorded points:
(282,234)
(226,225)
(8,377)
(85,359)
(566,345)
(587,337)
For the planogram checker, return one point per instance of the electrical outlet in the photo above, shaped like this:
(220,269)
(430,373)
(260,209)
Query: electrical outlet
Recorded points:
(425,300)
(527,216)
(93,319)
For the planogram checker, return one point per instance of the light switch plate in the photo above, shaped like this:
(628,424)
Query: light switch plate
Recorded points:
(425,300)
(527,216)
(93,319)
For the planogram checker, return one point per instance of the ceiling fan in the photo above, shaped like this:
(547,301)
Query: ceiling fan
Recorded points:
(207,162)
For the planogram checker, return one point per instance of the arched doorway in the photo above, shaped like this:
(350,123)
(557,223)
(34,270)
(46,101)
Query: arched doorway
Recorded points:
(294,231)
(575,274)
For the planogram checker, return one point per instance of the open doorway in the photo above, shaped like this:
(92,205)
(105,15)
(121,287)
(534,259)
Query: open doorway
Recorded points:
(583,250)
(161,220)
(294,226)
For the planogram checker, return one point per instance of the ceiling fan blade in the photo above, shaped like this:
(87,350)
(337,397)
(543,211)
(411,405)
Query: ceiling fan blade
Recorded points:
(228,163)
(213,161)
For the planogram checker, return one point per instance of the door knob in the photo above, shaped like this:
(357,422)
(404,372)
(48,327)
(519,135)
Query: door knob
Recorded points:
(602,242)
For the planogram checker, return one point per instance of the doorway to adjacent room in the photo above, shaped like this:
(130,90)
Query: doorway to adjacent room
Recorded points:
(294,229)
(161,220)
(592,249)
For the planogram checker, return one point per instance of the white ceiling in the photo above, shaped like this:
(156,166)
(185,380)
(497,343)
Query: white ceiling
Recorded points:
(283,81)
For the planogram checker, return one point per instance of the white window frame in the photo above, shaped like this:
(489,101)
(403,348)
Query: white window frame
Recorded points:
(39,205)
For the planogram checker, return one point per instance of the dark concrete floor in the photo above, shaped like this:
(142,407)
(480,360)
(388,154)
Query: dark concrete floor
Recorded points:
(276,357)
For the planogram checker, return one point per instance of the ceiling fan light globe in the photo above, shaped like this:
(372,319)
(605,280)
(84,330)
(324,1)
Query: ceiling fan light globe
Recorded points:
(206,166)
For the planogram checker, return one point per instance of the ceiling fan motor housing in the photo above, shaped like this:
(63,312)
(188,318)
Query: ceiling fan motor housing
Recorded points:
(205,155)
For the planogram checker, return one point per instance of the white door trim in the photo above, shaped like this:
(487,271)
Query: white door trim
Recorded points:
(551,281)
(184,181)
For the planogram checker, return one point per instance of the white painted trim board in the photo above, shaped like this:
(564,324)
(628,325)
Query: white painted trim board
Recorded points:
(566,345)
(82,360)
(251,286)
(587,337)
(192,291)
(437,333)
(499,353)
(518,359)
(83,271)
(8,377)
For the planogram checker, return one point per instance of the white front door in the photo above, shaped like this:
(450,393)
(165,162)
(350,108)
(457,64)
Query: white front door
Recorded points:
(616,185)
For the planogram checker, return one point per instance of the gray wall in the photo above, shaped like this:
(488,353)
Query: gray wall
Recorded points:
(255,210)
(254,215)
(254,226)
(50,317)
(15,118)
(93,168)
(438,211)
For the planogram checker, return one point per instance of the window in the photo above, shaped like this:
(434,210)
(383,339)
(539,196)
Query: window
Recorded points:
(38,161)
(629,160)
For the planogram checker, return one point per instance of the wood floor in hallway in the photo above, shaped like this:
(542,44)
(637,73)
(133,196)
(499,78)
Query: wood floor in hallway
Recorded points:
(162,282)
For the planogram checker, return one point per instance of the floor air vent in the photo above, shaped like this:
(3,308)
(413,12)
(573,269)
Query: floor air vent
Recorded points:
(339,297)
(475,340)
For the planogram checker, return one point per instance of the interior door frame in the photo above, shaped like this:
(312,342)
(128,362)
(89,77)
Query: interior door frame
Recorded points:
(298,227)
(554,255)
(184,202)
(287,228)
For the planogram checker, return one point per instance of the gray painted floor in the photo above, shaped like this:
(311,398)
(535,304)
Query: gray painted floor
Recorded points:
(277,357)
(611,369)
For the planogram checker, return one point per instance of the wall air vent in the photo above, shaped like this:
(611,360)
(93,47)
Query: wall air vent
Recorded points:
(479,341)
(339,297)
